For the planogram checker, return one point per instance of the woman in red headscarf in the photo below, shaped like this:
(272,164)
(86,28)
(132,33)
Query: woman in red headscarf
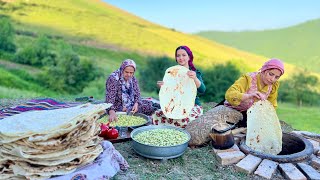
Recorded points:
(184,57)
(251,87)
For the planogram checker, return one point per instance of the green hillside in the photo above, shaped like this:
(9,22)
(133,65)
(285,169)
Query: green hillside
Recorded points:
(298,45)
(95,23)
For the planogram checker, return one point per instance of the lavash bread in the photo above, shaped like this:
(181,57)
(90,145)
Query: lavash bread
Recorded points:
(177,94)
(41,144)
(200,128)
(263,128)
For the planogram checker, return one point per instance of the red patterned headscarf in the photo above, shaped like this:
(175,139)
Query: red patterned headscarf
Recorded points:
(189,52)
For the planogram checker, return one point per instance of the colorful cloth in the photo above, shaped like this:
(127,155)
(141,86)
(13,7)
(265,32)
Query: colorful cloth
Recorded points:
(158,118)
(35,105)
(244,105)
(105,166)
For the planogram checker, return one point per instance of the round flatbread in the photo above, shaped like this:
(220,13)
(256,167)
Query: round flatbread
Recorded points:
(177,94)
(264,132)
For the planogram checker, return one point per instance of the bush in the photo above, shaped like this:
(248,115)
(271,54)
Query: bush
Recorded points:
(6,35)
(38,54)
(69,74)
(300,89)
(153,72)
(217,80)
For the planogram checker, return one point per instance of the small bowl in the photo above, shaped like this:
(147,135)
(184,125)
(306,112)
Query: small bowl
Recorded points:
(158,152)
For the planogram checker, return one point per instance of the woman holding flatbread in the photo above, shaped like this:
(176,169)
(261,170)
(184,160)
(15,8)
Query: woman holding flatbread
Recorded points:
(123,92)
(184,57)
(251,87)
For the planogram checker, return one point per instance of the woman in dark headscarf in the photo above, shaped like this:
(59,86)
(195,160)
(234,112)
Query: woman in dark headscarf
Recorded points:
(122,90)
(184,57)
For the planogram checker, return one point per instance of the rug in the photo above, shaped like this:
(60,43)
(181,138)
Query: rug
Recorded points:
(35,105)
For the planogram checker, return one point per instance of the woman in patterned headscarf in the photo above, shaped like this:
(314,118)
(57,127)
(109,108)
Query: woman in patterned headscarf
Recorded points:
(122,90)
(251,87)
(184,57)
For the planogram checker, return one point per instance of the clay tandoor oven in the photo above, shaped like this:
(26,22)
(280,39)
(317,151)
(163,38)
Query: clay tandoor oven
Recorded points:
(294,149)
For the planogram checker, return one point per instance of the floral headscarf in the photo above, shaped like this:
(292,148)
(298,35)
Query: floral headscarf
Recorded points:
(126,86)
(189,52)
(273,64)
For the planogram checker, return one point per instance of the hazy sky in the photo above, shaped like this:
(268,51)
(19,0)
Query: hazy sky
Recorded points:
(226,15)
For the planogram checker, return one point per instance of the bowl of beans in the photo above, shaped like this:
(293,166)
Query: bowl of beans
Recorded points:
(160,142)
(124,120)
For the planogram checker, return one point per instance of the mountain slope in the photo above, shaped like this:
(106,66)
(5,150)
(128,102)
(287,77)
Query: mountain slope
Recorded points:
(95,22)
(298,45)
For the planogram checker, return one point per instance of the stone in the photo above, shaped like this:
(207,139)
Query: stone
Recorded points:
(227,158)
(315,162)
(248,164)
(233,148)
(308,171)
(290,172)
(266,169)
(315,145)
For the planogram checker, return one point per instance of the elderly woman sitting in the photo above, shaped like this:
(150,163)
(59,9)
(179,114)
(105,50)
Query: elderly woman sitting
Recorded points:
(122,90)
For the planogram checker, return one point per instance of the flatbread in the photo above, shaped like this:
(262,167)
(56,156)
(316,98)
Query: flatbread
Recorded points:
(177,94)
(263,128)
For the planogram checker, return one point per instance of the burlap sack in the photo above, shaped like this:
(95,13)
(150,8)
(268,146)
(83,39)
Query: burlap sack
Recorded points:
(200,128)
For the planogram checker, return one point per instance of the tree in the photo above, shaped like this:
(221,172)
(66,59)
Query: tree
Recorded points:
(218,80)
(153,72)
(6,35)
(300,89)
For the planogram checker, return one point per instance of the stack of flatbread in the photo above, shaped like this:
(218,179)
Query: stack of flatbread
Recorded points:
(41,144)
(264,132)
(178,93)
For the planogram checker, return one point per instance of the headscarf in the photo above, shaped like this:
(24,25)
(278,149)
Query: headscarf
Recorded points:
(189,52)
(126,86)
(273,64)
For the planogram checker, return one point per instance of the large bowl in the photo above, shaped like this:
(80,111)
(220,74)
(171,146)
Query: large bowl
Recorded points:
(158,152)
(135,114)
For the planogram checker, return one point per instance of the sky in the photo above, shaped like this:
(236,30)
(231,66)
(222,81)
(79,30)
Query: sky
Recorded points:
(192,16)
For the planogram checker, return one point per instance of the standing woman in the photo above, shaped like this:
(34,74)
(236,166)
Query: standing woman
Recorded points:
(123,92)
(254,86)
(184,57)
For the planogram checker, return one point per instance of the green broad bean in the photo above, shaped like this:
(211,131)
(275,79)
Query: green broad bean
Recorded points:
(161,137)
(124,120)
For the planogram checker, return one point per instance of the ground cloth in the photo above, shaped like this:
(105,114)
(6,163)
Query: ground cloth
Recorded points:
(105,166)
(35,105)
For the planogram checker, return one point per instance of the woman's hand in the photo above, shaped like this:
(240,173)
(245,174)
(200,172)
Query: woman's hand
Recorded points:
(112,116)
(135,108)
(192,74)
(160,83)
(257,95)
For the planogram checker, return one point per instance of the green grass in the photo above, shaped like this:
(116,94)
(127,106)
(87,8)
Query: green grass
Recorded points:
(98,24)
(300,118)
(198,163)
(295,45)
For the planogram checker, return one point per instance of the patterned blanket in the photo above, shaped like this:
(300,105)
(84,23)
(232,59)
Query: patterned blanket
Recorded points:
(35,105)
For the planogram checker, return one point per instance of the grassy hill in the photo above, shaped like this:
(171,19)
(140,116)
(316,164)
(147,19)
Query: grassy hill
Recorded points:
(97,24)
(298,45)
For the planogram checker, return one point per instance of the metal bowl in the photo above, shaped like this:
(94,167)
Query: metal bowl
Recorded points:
(138,115)
(158,152)
(135,114)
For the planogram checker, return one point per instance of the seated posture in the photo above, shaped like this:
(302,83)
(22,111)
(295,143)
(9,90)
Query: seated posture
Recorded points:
(184,57)
(251,87)
(122,90)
